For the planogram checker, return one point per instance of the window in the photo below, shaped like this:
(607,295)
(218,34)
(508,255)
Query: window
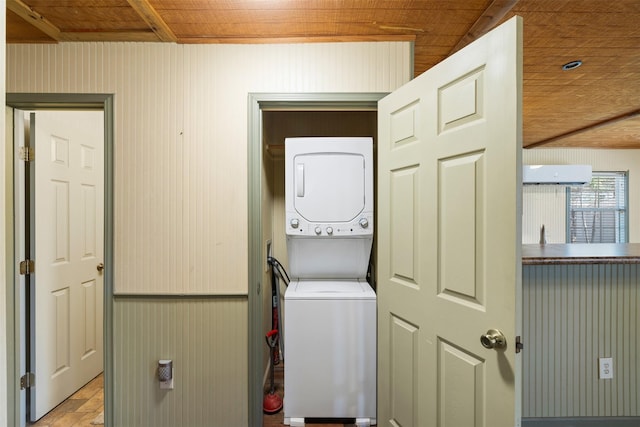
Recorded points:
(597,213)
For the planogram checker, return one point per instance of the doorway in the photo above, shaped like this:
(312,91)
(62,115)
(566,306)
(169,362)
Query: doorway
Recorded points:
(34,102)
(272,117)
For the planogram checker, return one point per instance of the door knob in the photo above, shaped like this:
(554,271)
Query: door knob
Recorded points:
(100,267)
(493,339)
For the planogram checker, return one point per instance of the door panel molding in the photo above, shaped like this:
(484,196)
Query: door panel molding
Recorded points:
(457,128)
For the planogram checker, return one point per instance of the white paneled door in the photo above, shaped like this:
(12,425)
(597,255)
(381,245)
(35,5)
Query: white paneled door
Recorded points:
(449,155)
(69,222)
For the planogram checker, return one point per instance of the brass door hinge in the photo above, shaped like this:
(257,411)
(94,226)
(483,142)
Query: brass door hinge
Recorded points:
(27,380)
(27,154)
(27,267)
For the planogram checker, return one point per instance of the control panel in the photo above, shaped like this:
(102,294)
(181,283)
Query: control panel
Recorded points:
(361,226)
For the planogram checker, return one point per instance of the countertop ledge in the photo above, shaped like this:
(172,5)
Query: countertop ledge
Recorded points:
(581,253)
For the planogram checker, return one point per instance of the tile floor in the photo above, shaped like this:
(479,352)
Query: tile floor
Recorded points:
(83,409)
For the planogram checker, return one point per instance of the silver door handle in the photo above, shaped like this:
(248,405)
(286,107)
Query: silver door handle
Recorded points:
(493,339)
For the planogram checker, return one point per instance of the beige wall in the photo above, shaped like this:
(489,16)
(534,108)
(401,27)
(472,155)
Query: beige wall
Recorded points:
(546,204)
(181,197)
(181,140)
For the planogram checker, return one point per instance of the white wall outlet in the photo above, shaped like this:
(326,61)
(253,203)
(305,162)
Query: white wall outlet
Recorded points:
(606,368)
(166,385)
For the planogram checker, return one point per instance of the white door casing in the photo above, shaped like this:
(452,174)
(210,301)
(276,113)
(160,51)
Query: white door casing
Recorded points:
(67,346)
(449,184)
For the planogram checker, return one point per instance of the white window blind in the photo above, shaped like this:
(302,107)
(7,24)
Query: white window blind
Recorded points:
(597,213)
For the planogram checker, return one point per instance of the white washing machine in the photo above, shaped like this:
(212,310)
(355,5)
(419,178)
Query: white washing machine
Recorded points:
(329,308)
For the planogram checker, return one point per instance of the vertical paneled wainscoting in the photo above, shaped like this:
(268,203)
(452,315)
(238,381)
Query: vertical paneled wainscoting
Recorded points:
(573,315)
(206,337)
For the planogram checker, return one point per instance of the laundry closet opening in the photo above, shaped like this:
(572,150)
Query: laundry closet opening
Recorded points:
(276,126)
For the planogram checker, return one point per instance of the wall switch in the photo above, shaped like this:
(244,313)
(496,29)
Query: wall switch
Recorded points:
(606,368)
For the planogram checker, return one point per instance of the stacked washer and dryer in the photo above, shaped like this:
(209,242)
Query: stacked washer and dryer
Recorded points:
(329,308)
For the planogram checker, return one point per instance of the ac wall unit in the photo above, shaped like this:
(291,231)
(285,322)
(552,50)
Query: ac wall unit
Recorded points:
(556,174)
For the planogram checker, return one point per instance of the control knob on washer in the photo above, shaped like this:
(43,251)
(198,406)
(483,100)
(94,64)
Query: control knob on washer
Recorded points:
(364,223)
(329,230)
(318,230)
(295,223)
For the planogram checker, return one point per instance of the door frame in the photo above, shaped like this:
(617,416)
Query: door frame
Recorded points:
(35,101)
(257,103)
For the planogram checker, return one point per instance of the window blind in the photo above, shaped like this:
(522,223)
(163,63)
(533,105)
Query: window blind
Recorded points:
(597,213)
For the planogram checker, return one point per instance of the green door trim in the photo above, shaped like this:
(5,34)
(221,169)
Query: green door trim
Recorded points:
(257,103)
(104,102)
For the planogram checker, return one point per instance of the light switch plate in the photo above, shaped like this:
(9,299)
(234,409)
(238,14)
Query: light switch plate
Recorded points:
(606,368)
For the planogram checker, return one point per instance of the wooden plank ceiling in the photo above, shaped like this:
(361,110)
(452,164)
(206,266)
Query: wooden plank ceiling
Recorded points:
(596,105)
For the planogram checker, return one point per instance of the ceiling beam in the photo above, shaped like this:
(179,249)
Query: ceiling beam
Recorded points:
(153,19)
(491,16)
(598,125)
(311,39)
(112,36)
(34,18)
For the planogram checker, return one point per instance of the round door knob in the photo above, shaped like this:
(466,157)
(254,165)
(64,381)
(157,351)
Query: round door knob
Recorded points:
(493,339)
(318,230)
(294,223)
(364,223)
(329,230)
(100,267)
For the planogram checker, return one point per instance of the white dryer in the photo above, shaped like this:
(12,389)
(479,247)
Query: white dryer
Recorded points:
(329,308)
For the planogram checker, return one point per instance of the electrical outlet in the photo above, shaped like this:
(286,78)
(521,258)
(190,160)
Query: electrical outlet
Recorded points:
(166,385)
(606,368)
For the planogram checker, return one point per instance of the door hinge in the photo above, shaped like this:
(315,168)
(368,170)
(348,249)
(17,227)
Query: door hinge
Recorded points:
(519,344)
(27,154)
(27,267)
(27,380)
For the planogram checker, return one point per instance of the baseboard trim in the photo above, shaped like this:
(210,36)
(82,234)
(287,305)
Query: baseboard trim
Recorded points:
(582,422)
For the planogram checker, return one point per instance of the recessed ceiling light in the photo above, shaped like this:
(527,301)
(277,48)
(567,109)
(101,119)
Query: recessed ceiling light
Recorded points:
(571,65)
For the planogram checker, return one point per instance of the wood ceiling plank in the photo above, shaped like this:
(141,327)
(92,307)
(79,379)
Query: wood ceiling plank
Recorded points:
(153,19)
(96,15)
(278,40)
(620,132)
(114,36)
(492,15)
(433,5)
(20,31)
(34,18)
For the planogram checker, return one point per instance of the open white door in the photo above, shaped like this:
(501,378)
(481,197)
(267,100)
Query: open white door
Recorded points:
(67,315)
(449,184)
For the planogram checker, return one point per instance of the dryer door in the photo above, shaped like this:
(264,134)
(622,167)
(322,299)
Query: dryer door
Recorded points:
(329,187)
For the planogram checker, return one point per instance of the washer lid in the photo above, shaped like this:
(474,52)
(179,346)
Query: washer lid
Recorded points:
(329,289)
